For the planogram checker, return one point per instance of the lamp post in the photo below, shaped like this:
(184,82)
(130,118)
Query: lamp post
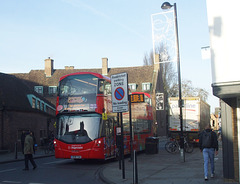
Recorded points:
(167,5)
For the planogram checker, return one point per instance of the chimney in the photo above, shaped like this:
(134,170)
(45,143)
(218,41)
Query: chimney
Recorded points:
(104,66)
(69,67)
(156,65)
(48,67)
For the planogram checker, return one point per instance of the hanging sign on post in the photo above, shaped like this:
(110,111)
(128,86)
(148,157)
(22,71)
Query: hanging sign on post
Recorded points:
(119,84)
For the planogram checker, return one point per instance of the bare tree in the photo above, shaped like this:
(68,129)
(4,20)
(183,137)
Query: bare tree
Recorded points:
(169,76)
(188,90)
(148,59)
(167,68)
(145,59)
(203,94)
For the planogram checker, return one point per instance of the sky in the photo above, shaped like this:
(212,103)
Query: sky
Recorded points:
(80,33)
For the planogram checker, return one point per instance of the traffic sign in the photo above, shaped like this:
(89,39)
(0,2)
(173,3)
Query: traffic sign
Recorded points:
(119,93)
(119,83)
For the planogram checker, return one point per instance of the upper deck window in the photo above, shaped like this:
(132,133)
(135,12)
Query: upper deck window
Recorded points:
(78,85)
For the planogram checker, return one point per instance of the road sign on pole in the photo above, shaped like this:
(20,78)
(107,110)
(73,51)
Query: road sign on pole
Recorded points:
(119,84)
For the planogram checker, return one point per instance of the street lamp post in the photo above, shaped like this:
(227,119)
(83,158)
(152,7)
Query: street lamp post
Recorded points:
(167,5)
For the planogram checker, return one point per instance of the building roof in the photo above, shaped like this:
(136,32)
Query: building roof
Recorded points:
(13,93)
(136,75)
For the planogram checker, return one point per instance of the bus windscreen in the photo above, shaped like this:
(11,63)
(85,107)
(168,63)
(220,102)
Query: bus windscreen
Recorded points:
(80,128)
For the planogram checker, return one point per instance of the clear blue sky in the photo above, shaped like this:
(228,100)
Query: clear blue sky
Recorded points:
(79,33)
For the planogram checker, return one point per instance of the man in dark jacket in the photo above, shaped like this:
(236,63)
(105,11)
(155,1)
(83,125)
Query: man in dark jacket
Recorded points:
(208,149)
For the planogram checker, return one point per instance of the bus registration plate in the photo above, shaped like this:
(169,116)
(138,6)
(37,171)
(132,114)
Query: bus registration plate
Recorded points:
(76,157)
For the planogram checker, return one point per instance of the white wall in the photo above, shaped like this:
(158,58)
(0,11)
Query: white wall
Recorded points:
(224,28)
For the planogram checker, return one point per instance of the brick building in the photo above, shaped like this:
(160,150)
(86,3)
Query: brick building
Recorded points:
(21,108)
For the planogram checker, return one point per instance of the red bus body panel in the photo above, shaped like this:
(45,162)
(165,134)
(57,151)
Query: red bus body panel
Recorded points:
(91,150)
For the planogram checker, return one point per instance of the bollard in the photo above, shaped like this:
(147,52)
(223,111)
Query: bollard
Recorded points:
(135,171)
(16,156)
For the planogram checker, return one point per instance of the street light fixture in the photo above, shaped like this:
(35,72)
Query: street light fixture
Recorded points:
(167,5)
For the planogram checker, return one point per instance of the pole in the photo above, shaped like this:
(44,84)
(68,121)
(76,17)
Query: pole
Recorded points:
(130,122)
(135,180)
(2,129)
(180,103)
(118,145)
(122,148)
(16,156)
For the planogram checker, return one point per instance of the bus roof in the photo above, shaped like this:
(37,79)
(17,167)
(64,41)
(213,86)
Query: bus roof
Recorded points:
(100,76)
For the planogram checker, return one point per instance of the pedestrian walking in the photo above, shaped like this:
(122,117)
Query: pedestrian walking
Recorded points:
(28,151)
(208,144)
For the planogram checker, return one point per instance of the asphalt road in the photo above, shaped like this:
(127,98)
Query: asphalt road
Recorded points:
(52,171)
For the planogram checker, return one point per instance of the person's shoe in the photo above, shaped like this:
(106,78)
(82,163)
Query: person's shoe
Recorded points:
(25,169)
(206,178)
(34,167)
(212,175)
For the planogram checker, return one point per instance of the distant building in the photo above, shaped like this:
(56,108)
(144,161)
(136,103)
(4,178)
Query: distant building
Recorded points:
(140,78)
(214,122)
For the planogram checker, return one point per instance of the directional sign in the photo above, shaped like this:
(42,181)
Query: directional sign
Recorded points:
(119,83)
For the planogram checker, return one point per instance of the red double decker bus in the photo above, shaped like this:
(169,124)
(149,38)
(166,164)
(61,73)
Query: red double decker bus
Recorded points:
(83,129)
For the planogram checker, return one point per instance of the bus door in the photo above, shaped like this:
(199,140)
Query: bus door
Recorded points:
(110,142)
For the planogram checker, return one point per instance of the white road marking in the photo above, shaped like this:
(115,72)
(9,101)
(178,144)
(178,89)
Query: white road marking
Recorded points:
(11,181)
(8,170)
(54,162)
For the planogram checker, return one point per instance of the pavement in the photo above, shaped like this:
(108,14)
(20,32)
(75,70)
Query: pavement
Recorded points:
(164,168)
(161,167)
(6,157)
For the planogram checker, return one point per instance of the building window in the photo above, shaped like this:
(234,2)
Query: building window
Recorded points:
(52,89)
(132,86)
(42,136)
(38,89)
(38,104)
(33,103)
(146,86)
(41,106)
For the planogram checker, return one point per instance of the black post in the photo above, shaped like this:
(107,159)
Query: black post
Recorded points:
(135,171)
(122,148)
(16,156)
(2,128)
(131,131)
(180,104)
(118,145)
